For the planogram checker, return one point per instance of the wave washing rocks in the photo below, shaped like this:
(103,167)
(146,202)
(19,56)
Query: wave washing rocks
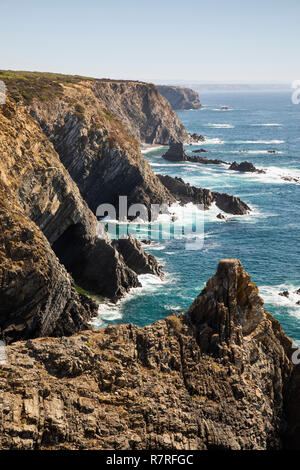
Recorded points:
(177,153)
(286,294)
(185,193)
(199,380)
(245,167)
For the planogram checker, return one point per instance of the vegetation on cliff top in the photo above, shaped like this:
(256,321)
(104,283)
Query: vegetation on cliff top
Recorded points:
(24,86)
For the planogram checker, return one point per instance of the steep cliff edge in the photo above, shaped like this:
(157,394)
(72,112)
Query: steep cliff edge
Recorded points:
(43,213)
(180,97)
(94,126)
(214,378)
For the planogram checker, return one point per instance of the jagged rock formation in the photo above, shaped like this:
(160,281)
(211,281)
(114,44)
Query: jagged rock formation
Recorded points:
(136,258)
(245,167)
(214,378)
(41,206)
(180,97)
(186,193)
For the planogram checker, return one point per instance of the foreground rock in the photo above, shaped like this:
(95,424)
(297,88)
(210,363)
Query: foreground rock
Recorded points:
(186,193)
(245,167)
(196,381)
(180,97)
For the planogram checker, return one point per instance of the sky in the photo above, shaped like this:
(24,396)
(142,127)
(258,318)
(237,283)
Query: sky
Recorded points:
(158,40)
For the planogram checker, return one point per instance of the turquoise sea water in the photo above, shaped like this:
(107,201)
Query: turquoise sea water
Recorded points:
(266,241)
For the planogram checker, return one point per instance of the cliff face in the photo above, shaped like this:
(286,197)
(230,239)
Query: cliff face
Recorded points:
(214,378)
(101,157)
(180,97)
(145,113)
(44,215)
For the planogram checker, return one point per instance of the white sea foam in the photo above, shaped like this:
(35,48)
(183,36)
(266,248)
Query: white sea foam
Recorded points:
(219,109)
(268,124)
(220,126)
(258,142)
(109,311)
(212,141)
(253,152)
(271,296)
(273,174)
(152,149)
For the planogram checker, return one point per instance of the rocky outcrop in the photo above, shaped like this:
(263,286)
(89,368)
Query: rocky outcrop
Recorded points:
(199,380)
(186,193)
(136,258)
(245,167)
(180,97)
(175,153)
(44,218)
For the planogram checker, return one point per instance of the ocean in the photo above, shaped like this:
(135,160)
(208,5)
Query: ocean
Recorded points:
(266,241)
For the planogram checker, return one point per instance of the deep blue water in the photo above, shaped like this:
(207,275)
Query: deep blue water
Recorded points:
(266,241)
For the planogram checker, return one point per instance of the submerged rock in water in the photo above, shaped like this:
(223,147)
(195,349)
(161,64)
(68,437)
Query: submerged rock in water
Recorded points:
(200,151)
(221,216)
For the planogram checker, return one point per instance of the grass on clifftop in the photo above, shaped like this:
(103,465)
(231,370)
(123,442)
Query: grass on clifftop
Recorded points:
(24,86)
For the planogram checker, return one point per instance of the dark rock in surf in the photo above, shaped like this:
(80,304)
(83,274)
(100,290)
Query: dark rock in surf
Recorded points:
(285,293)
(175,153)
(245,167)
(186,193)
(205,160)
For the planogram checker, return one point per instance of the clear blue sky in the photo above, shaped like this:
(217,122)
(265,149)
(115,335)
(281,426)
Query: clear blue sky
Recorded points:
(196,40)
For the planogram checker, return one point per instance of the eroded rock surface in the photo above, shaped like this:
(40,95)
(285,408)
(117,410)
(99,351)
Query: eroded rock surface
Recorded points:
(214,378)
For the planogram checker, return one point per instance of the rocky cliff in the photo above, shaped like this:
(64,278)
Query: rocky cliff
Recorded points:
(214,378)
(95,126)
(47,230)
(180,97)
